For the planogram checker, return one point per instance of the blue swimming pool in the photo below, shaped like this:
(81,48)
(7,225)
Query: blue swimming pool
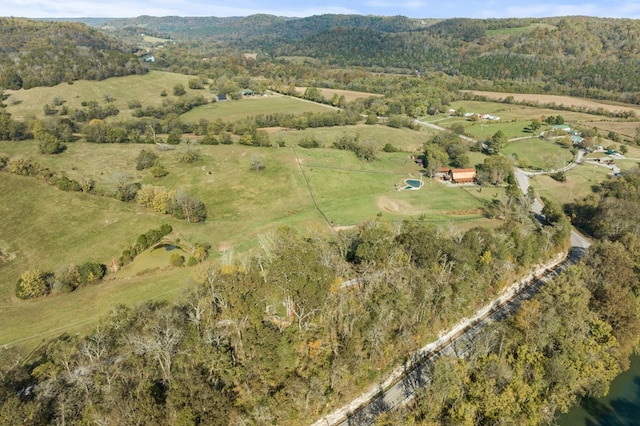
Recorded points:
(412,184)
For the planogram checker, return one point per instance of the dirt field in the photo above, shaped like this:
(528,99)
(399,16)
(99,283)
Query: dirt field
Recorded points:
(626,128)
(349,95)
(559,100)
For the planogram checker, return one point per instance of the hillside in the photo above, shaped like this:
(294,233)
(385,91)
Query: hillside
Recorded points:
(581,56)
(38,53)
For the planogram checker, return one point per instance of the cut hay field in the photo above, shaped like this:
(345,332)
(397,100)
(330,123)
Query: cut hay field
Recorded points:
(45,228)
(349,95)
(558,100)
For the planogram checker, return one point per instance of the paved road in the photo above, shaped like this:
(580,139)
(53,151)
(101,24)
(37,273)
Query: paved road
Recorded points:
(404,381)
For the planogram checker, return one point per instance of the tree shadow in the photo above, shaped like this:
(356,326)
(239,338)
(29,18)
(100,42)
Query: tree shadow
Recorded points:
(622,411)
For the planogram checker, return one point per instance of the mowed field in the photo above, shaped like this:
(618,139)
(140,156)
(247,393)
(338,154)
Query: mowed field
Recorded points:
(47,229)
(539,154)
(623,127)
(252,106)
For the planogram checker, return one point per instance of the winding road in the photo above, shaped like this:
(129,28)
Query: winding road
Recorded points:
(403,382)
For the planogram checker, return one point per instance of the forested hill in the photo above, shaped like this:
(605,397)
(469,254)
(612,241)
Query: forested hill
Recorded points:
(262,26)
(38,53)
(593,57)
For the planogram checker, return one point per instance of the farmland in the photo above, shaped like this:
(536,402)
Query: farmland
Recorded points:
(321,188)
(242,204)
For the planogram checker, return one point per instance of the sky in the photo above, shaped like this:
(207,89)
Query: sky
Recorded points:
(298,8)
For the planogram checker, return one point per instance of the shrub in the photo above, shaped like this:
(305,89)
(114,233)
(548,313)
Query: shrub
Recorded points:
(32,284)
(390,148)
(158,170)
(309,142)
(176,260)
(145,159)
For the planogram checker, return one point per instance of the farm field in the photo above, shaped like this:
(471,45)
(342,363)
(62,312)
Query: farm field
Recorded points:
(145,88)
(578,185)
(539,154)
(273,103)
(558,100)
(321,188)
(47,229)
(349,95)
(515,118)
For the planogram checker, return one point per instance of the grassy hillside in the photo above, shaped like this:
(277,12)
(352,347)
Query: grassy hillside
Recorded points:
(146,89)
(46,228)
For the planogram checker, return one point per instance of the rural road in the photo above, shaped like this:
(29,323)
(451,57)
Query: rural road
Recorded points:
(404,381)
(401,385)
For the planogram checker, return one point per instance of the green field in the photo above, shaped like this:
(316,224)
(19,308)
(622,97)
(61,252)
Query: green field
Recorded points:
(252,106)
(47,229)
(577,186)
(538,154)
(322,189)
(514,119)
(145,88)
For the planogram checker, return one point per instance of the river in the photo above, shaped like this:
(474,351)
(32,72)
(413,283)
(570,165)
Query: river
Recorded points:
(621,406)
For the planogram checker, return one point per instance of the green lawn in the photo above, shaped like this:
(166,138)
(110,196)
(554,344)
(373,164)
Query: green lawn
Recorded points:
(538,154)
(252,106)
(577,186)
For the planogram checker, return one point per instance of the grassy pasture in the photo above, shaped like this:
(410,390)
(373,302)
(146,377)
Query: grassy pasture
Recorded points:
(143,88)
(537,153)
(559,100)
(349,95)
(625,128)
(404,139)
(578,185)
(515,118)
(252,106)
(46,228)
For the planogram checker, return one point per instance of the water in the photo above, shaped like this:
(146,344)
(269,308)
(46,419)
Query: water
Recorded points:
(620,407)
(413,183)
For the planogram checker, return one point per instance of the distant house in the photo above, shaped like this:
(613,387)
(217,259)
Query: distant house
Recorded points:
(562,127)
(577,140)
(221,97)
(462,175)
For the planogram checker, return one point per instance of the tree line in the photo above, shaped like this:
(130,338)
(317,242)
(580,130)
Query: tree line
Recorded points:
(566,344)
(271,336)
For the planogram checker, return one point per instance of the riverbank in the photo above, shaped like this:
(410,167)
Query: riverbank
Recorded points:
(621,406)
